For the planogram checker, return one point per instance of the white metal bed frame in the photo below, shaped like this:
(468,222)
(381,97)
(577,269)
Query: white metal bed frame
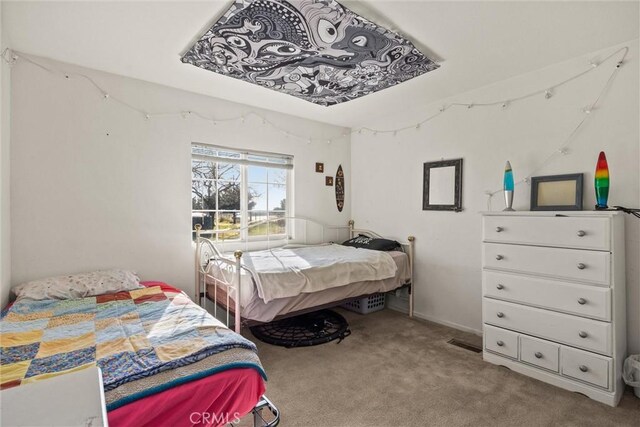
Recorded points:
(208,256)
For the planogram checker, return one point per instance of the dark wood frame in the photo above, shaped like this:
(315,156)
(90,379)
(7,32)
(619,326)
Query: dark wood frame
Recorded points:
(319,167)
(577,206)
(328,181)
(457,202)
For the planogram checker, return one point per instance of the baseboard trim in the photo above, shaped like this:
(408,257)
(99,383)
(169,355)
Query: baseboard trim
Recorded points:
(435,320)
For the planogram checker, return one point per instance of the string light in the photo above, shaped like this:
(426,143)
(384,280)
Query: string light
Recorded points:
(548,93)
(564,148)
(11,57)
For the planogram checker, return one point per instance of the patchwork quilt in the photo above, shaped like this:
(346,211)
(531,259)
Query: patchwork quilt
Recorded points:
(130,335)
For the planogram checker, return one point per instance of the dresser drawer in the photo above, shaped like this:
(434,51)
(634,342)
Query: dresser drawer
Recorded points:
(576,331)
(588,301)
(543,354)
(573,264)
(587,367)
(501,341)
(575,232)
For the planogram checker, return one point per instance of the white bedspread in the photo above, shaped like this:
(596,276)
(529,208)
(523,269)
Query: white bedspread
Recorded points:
(285,273)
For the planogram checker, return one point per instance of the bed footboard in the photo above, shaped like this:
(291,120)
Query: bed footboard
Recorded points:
(208,259)
(408,247)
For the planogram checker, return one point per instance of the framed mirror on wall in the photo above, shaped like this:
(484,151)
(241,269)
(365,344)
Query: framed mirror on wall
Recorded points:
(442,186)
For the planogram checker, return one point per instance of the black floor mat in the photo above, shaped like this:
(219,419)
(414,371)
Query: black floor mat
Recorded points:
(305,330)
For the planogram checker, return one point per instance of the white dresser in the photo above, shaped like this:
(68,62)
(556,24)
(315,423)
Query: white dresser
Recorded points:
(553,306)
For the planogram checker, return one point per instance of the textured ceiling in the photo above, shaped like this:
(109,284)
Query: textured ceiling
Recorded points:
(476,43)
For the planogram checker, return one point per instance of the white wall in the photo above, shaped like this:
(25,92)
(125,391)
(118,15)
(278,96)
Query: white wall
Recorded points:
(94,185)
(387,174)
(5,133)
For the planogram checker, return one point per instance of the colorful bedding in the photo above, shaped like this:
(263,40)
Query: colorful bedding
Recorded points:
(146,341)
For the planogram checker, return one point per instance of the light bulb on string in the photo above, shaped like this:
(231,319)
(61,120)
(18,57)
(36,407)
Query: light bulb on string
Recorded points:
(548,93)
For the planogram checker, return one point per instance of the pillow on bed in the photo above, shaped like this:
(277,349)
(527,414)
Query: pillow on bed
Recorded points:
(366,242)
(75,286)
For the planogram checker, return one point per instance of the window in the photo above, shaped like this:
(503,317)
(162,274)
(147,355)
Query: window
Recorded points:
(232,190)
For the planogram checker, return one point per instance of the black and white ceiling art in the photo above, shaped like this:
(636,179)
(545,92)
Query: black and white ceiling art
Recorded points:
(316,50)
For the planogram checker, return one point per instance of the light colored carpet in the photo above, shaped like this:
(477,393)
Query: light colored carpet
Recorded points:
(393,371)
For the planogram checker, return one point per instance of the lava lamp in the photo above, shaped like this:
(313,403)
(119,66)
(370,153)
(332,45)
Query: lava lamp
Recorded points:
(508,187)
(602,182)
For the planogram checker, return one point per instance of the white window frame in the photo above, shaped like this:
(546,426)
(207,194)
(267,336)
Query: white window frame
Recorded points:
(274,160)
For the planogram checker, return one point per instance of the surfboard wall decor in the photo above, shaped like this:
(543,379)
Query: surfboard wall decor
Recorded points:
(340,188)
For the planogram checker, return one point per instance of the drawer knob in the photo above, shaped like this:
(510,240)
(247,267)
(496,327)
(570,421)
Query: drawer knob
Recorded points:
(500,314)
(500,343)
(581,233)
(499,286)
(583,334)
(581,266)
(583,368)
(582,301)
(499,257)
(499,229)
(538,355)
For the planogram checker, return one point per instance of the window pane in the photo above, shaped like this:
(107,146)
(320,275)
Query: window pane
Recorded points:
(277,226)
(203,195)
(277,176)
(228,196)
(257,197)
(228,221)
(202,170)
(205,219)
(277,197)
(228,172)
(256,174)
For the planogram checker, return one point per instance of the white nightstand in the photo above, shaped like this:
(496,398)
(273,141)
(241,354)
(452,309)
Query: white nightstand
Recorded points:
(74,399)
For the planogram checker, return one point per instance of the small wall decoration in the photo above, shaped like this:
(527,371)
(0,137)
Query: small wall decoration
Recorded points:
(442,186)
(318,51)
(602,182)
(508,187)
(320,167)
(328,181)
(556,192)
(340,189)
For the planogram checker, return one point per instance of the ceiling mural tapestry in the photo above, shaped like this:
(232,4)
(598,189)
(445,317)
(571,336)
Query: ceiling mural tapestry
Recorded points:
(316,50)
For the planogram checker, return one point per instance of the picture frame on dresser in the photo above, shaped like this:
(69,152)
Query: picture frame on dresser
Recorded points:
(557,192)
